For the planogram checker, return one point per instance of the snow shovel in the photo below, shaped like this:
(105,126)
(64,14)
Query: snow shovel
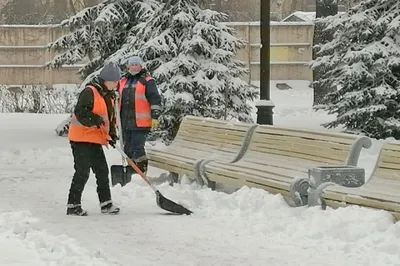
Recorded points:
(120,174)
(162,201)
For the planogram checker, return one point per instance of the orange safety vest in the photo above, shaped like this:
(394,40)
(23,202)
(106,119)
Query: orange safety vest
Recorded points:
(142,105)
(80,133)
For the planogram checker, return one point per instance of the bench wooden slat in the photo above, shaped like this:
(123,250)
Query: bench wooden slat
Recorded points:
(199,138)
(222,174)
(238,182)
(297,146)
(185,157)
(235,129)
(387,173)
(304,152)
(392,146)
(336,144)
(230,141)
(264,160)
(340,204)
(389,166)
(275,173)
(308,134)
(217,133)
(391,156)
(367,192)
(301,141)
(351,199)
(195,146)
(194,150)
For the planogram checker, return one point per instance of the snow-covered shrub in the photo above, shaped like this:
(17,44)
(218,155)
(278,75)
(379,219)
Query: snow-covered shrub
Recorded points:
(38,99)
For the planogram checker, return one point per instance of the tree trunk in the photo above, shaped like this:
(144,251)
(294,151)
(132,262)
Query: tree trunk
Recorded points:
(324,8)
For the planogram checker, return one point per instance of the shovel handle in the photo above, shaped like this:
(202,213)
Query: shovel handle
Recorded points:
(135,167)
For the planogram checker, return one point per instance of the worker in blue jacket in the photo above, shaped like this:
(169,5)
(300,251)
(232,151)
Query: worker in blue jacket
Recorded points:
(140,109)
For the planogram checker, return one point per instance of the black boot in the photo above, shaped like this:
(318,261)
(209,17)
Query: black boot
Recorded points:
(76,211)
(143,165)
(130,170)
(109,207)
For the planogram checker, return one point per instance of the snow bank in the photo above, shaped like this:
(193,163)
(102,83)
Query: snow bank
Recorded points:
(255,218)
(22,244)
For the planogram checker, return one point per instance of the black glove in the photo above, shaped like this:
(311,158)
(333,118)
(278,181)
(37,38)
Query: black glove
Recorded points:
(113,140)
(98,121)
(155,114)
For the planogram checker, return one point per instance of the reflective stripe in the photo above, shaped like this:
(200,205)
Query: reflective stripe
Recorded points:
(103,204)
(74,121)
(155,107)
(143,115)
(141,159)
(140,96)
(73,205)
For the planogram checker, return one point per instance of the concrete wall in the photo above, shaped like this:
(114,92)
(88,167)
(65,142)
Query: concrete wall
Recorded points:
(291,49)
(23,53)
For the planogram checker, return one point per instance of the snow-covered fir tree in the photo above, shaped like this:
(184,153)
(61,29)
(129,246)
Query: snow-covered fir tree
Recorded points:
(324,8)
(98,31)
(362,67)
(191,55)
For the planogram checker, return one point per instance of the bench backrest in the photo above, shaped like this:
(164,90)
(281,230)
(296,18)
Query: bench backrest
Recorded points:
(211,134)
(387,168)
(317,146)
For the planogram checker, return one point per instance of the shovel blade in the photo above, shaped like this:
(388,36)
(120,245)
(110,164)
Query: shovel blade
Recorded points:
(170,206)
(120,175)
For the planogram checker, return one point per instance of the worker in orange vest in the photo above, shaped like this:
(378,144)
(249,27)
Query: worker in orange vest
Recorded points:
(140,109)
(92,126)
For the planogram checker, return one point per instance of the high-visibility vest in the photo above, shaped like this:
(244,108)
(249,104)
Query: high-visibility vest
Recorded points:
(142,105)
(80,133)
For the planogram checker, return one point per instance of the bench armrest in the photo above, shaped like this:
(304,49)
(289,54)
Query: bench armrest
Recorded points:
(343,175)
(354,155)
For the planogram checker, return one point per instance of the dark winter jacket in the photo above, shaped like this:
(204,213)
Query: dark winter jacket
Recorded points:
(84,106)
(128,118)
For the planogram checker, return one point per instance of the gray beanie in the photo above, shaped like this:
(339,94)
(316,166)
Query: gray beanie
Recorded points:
(134,60)
(110,72)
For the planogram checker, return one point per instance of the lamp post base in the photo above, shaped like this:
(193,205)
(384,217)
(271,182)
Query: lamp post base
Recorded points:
(264,112)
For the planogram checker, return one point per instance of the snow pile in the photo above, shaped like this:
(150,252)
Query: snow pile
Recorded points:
(21,242)
(253,218)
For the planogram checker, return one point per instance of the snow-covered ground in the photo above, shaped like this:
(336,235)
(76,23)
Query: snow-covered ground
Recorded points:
(247,227)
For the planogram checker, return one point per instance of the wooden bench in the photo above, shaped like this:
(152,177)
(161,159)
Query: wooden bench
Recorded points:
(278,160)
(381,191)
(201,138)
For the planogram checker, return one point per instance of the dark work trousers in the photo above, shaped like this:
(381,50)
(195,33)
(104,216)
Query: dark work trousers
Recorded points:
(88,156)
(134,141)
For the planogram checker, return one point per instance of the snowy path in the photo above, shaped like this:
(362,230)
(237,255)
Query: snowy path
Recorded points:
(248,227)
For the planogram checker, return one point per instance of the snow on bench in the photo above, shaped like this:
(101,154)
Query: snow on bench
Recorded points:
(278,160)
(201,138)
(381,191)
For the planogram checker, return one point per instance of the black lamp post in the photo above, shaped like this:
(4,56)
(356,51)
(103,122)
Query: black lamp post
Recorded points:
(265,106)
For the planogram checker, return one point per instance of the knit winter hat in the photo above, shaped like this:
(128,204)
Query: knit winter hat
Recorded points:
(110,72)
(134,60)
